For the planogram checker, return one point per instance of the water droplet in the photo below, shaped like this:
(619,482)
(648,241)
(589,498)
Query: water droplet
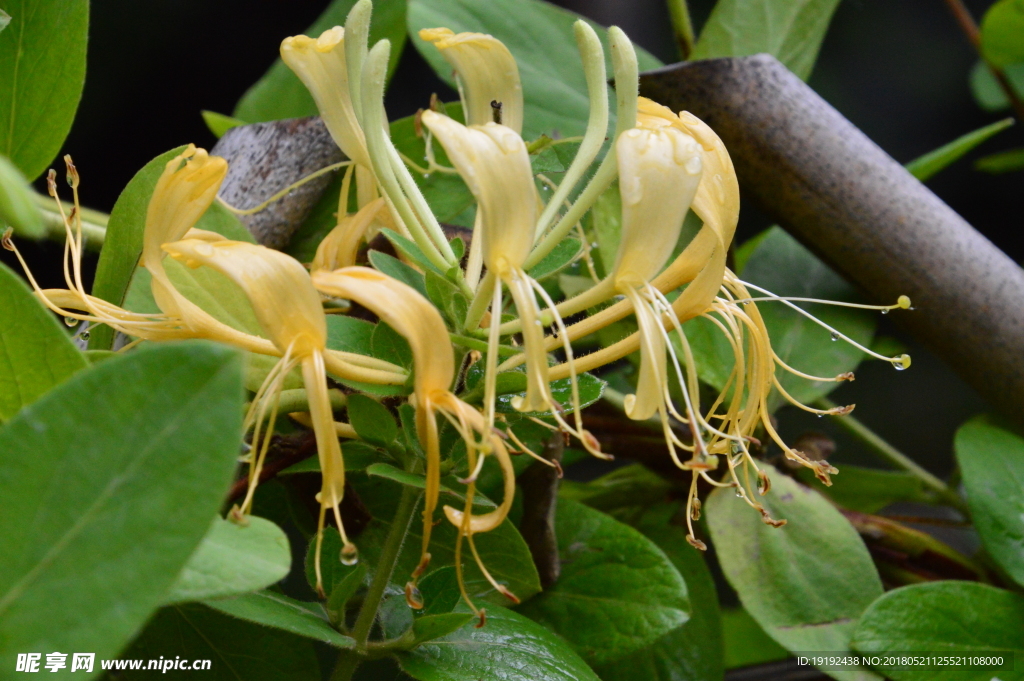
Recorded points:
(349,555)
(71,321)
(426,176)
(545,188)
(84,335)
(898,366)
(885,312)
(834,336)
(820,416)
(594,244)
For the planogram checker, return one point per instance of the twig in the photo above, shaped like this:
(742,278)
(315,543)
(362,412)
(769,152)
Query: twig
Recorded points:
(539,484)
(682,27)
(970,29)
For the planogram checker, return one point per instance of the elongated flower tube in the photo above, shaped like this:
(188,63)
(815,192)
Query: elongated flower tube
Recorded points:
(411,315)
(493,161)
(488,76)
(288,309)
(341,245)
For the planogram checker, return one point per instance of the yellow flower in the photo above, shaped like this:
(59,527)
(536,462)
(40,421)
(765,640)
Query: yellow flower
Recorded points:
(289,311)
(488,75)
(493,161)
(411,315)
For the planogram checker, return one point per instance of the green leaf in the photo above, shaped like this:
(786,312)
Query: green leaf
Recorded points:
(869,490)
(429,627)
(777,262)
(987,91)
(924,167)
(410,249)
(372,421)
(390,345)
(790,30)
(331,568)
(509,648)
(746,644)
(281,612)
(280,94)
(945,618)
(343,591)
(42,72)
(617,593)
(502,550)
(350,334)
(122,246)
(991,460)
(36,354)
(395,268)
(219,123)
(693,651)
(540,37)
(16,206)
(1007,161)
(447,298)
(806,583)
(590,388)
(236,649)
(109,483)
(623,493)
(563,255)
(234,559)
(1002,29)
(607,215)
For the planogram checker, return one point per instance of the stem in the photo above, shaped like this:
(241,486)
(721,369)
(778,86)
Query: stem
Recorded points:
(94,223)
(349,660)
(970,28)
(894,456)
(682,27)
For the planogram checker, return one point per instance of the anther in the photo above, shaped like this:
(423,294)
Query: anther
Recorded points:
(72,175)
(8,243)
(422,567)
(764,483)
(236,516)
(696,543)
(417,123)
(842,411)
(413,597)
(51,183)
(496,111)
(483,619)
(509,595)
(848,376)
(768,520)
(695,510)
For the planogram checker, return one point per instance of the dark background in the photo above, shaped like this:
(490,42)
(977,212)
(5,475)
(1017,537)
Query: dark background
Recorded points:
(898,70)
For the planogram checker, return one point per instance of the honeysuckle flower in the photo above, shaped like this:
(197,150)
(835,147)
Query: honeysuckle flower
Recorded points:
(341,245)
(487,73)
(412,315)
(289,311)
(493,161)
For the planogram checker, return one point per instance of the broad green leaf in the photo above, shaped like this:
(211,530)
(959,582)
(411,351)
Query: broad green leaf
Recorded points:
(122,246)
(746,644)
(343,591)
(1004,162)
(590,388)
(236,649)
(991,460)
(790,30)
(280,94)
(36,354)
(775,261)
(805,583)
(390,345)
(617,593)
(350,334)
(17,209)
(868,489)
(109,482)
(219,123)
(234,559)
(563,255)
(540,37)
(447,298)
(332,570)
(509,648)
(924,167)
(372,421)
(624,493)
(42,72)
(396,269)
(607,216)
(1002,33)
(502,550)
(281,612)
(693,651)
(946,618)
(986,89)
(410,250)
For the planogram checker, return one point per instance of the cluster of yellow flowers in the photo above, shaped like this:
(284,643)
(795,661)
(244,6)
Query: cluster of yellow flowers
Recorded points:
(665,164)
